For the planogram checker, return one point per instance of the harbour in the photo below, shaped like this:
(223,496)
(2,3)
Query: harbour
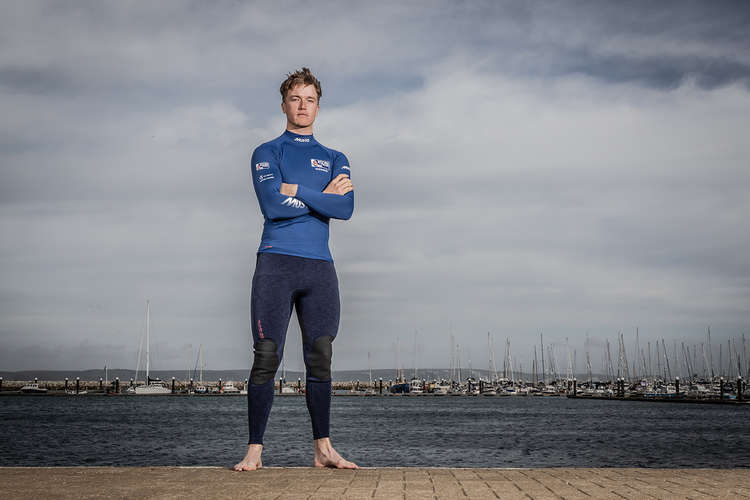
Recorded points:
(715,390)
(677,377)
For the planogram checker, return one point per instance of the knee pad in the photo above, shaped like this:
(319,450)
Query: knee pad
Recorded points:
(319,365)
(265,363)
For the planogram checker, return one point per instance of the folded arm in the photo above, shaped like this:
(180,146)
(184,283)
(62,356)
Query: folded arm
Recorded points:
(337,199)
(266,176)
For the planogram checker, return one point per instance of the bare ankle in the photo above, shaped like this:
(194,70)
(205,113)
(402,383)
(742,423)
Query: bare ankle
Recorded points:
(323,444)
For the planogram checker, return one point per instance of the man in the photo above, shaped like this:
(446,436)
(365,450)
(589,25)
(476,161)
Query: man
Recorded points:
(300,185)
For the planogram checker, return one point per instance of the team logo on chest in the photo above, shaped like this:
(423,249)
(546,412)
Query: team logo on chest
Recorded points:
(320,165)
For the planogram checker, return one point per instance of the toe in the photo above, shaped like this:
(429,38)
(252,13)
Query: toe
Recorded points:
(345,464)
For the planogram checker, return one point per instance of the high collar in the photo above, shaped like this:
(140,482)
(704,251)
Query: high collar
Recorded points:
(300,140)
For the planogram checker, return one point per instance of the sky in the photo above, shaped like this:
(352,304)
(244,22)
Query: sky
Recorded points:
(573,168)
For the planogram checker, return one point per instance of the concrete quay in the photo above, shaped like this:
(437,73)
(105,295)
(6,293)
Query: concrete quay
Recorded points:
(404,483)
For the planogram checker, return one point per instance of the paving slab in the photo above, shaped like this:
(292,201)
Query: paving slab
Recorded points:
(165,483)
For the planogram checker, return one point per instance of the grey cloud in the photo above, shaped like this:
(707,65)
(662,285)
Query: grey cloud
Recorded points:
(20,79)
(136,48)
(518,167)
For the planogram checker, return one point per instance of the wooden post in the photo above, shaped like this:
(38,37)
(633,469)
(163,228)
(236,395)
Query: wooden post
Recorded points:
(172,385)
(117,385)
(78,384)
(281,383)
(380,390)
(721,388)
(677,386)
(574,387)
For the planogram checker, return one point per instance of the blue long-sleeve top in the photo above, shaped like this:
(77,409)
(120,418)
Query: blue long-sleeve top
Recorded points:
(298,225)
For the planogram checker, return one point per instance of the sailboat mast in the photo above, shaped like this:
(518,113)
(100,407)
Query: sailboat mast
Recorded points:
(710,354)
(510,362)
(415,353)
(635,358)
(541,341)
(458,355)
(398,373)
(201,362)
(489,359)
(453,351)
(148,340)
(668,373)
(369,367)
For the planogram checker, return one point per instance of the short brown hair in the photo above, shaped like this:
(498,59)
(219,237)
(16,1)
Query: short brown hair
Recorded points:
(302,76)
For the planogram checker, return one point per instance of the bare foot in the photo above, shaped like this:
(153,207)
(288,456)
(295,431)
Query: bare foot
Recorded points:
(326,456)
(252,458)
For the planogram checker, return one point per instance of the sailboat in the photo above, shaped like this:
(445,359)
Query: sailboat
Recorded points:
(285,389)
(416,386)
(152,386)
(200,389)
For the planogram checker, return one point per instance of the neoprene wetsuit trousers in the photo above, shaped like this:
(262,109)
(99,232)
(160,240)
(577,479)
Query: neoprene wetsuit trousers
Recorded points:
(282,283)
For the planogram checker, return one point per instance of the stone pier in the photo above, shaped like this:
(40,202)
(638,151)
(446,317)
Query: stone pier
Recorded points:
(405,483)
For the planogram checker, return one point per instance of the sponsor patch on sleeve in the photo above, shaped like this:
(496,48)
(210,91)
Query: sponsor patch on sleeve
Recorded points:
(262,166)
(265,177)
(293,202)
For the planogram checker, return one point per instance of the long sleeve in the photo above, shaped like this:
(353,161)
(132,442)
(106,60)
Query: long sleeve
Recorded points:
(334,206)
(266,175)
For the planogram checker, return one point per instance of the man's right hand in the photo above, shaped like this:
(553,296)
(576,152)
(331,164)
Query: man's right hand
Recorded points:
(341,184)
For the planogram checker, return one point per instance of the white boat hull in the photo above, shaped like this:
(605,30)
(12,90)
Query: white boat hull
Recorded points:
(151,390)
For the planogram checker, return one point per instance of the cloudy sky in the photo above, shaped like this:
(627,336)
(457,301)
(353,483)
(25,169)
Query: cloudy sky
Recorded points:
(572,168)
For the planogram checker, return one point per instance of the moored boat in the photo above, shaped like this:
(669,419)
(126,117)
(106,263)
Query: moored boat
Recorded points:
(152,386)
(229,388)
(33,389)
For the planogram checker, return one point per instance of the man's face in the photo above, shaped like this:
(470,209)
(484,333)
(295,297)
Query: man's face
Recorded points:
(301,105)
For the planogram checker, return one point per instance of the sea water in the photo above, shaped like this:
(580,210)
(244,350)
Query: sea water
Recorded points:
(449,431)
